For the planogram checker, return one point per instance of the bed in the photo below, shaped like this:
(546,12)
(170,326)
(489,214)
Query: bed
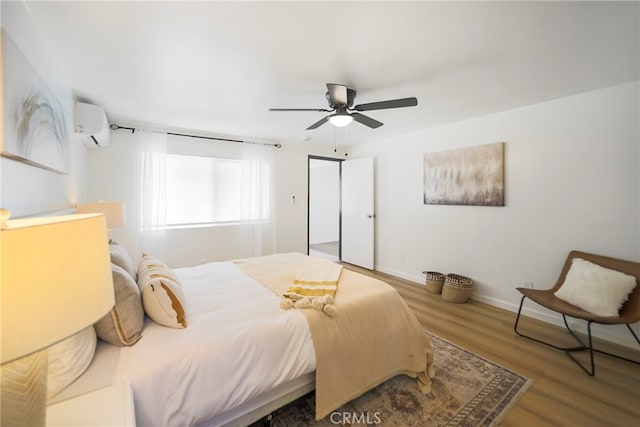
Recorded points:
(241,356)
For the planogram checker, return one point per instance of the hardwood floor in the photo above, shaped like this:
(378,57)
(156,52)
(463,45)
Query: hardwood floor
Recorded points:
(562,394)
(330,248)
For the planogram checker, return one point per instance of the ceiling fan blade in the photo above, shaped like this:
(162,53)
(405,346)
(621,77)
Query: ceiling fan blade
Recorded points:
(318,123)
(337,93)
(321,110)
(366,120)
(383,105)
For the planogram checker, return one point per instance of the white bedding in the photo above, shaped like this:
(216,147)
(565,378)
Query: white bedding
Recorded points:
(238,344)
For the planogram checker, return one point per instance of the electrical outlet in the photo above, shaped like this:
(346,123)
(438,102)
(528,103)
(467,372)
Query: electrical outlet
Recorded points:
(528,285)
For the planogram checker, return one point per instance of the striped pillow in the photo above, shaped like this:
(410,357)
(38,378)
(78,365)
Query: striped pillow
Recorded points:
(121,258)
(122,325)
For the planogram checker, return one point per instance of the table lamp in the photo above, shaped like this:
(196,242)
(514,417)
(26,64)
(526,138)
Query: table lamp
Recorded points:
(113,211)
(56,281)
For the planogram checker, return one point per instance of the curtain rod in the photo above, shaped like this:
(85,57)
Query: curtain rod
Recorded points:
(114,126)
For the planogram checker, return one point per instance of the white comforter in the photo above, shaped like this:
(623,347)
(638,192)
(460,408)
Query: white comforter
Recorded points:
(238,344)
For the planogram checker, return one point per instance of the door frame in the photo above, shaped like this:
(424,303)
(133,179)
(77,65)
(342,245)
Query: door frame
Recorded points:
(329,159)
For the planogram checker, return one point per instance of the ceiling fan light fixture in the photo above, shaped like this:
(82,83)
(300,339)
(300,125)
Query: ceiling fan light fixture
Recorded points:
(340,120)
(341,99)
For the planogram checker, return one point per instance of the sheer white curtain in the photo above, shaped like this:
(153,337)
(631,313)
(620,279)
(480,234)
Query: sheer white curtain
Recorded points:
(256,232)
(149,186)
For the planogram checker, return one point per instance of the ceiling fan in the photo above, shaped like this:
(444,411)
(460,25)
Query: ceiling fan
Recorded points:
(341,99)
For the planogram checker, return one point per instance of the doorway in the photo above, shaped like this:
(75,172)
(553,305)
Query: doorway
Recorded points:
(324,233)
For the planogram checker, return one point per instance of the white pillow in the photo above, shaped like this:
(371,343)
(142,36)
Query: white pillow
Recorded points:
(68,359)
(596,289)
(162,295)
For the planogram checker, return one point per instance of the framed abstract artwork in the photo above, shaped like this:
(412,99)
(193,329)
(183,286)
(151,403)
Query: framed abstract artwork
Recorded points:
(35,120)
(465,176)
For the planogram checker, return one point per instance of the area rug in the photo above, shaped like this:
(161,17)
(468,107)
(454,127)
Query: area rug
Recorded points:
(468,390)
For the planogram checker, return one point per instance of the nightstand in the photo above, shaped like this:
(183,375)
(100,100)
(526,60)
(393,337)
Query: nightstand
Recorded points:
(109,406)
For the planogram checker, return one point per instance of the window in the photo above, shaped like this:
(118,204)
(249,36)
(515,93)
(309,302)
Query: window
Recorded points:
(204,190)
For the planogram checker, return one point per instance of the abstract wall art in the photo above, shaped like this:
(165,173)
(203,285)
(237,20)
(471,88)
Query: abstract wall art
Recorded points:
(465,176)
(36,127)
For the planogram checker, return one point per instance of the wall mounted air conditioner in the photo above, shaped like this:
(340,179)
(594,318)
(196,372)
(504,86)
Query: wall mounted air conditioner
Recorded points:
(91,122)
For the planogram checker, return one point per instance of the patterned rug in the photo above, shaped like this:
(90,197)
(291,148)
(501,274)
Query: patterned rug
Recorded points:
(468,390)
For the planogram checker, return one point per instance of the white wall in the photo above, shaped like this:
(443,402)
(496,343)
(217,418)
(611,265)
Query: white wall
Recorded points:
(25,189)
(324,201)
(292,180)
(572,182)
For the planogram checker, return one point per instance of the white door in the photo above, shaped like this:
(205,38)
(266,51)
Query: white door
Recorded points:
(357,212)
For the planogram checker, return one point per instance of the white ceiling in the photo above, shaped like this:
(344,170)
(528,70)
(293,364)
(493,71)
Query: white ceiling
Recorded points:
(217,67)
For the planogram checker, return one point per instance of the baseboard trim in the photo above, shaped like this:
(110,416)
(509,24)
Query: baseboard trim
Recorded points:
(618,335)
(400,274)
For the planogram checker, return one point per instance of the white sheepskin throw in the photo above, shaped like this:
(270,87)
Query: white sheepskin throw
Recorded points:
(596,289)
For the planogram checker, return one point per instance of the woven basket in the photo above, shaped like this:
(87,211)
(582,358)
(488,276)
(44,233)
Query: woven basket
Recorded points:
(434,281)
(456,288)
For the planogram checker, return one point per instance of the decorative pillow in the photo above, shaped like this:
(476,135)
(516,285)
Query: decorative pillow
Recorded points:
(121,258)
(68,359)
(159,268)
(596,289)
(162,295)
(122,326)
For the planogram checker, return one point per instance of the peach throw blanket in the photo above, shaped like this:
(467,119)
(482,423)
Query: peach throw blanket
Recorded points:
(374,336)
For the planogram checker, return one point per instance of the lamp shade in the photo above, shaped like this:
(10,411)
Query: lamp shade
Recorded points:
(340,120)
(56,280)
(114,211)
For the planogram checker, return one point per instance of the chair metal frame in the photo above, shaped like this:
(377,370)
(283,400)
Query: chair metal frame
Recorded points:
(569,350)
(630,312)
